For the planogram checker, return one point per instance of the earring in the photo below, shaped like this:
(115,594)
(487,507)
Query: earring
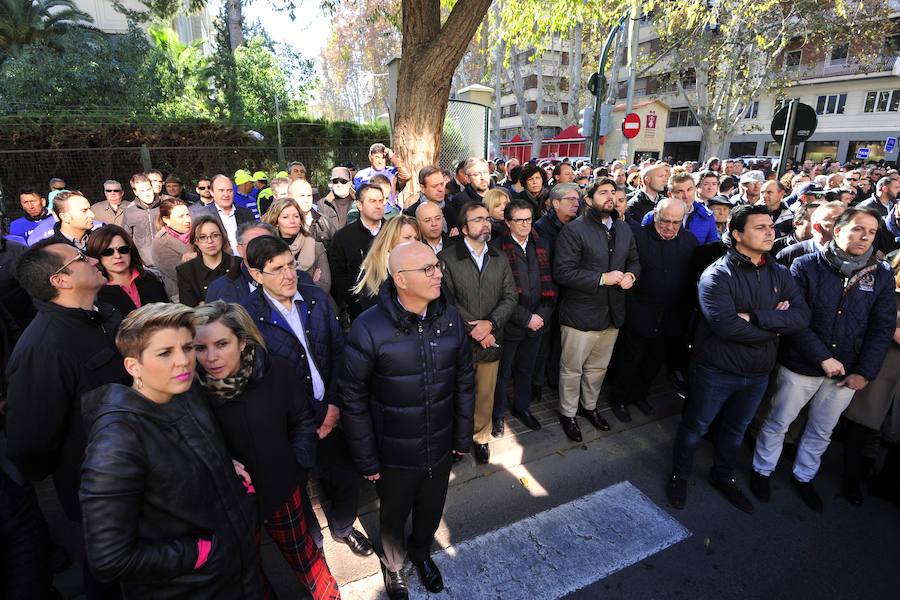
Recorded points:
(140,383)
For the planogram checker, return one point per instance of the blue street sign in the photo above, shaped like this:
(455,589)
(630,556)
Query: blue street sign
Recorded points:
(889,145)
(862,153)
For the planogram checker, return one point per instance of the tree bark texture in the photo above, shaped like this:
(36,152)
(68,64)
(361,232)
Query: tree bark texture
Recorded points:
(430,55)
(235,21)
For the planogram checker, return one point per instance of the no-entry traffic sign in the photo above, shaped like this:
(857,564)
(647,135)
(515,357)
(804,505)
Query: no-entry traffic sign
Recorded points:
(631,126)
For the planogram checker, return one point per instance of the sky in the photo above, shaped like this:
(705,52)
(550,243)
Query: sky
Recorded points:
(309,32)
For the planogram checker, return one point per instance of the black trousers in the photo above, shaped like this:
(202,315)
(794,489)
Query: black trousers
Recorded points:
(25,571)
(401,492)
(635,362)
(339,486)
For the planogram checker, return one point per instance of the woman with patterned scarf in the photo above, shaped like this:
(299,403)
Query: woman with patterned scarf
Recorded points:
(268,426)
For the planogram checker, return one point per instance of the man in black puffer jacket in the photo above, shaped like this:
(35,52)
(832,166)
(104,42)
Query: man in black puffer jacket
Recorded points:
(407,404)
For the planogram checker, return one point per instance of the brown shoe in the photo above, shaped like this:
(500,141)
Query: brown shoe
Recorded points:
(570,426)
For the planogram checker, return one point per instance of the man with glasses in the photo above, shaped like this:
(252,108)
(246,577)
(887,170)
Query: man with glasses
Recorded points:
(339,200)
(530,261)
(480,279)
(36,213)
(807,192)
(67,350)
(112,210)
(423,408)
(204,191)
(398,173)
(298,324)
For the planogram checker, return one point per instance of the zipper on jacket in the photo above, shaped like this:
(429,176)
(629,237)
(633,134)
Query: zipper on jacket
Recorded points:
(837,315)
(427,402)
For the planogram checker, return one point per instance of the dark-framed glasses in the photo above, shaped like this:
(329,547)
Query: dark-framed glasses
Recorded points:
(80,256)
(340,180)
(122,250)
(428,269)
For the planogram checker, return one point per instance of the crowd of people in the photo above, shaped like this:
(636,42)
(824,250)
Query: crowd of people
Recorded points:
(186,363)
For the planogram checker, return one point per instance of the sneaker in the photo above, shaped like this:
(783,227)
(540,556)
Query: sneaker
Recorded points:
(733,494)
(808,494)
(761,486)
(676,492)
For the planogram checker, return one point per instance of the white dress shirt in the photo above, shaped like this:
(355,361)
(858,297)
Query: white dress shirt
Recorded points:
(296,324)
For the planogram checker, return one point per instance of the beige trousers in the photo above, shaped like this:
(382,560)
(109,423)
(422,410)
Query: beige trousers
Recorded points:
(485,380)
(582,367)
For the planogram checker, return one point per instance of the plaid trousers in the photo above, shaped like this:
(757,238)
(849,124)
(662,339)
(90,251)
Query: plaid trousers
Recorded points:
(288,528)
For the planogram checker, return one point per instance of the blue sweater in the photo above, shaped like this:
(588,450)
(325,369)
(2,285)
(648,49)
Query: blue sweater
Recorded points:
(700,222)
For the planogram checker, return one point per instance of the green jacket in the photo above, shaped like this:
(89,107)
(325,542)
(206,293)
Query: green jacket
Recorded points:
(490,294)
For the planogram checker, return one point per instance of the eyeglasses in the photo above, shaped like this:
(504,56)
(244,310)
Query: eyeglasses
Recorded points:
(113,191)
(122,250)
(280,272)
(477,220)
(428,270)
(203,187)
(853,180)
(59,189)
(340,180)
(525,221)
(80,256)
(207,238)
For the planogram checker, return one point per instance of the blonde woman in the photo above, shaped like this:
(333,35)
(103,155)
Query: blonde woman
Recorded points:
(287,219)
(374,269)
(495,201)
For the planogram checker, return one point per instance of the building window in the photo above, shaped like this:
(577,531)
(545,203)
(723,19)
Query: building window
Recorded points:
(549,109)
(882,101)
(682,117)
(531,82)
(549,132)
(819,151)
(892,44)
(838,56)
(876,150)
(792,59)
(752,110)
(831,105)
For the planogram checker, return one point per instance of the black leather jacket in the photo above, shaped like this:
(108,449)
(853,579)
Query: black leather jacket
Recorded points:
(155,479)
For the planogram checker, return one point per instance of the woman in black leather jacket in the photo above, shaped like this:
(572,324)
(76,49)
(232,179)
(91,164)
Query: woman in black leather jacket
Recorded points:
(268,425)
(164,513)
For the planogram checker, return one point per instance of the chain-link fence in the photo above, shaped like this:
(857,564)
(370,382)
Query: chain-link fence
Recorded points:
(465,132)
(86,169)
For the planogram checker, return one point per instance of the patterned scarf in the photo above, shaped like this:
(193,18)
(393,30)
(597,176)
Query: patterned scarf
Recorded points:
(509,247)
(220,391)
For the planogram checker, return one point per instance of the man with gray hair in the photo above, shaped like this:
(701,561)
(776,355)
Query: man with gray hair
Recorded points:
(112,210)
(238,284)
(657,308)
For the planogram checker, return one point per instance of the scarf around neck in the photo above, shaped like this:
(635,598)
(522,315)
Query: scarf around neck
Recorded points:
(509,248)
(843,262)
(220,391)
(185,237)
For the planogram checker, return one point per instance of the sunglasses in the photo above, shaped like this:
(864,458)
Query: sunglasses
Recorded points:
(340,180)
(113,191)
(203,187)
(122,250)
(80,256)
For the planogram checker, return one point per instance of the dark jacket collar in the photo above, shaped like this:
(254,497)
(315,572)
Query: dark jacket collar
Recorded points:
(402,318)
(115,397)
(93,317)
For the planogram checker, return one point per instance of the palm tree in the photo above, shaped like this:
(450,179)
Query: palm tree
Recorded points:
(191,68)
(26,22)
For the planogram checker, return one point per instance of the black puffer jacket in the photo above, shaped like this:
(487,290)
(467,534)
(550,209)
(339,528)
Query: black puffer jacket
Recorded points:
(407,387)
(582,254)
(155,479)
(270,427)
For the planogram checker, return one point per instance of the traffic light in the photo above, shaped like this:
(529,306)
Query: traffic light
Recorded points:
(586,121)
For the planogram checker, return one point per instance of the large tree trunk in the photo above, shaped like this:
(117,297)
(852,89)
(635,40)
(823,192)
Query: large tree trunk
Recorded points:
(235,20)
(431,53)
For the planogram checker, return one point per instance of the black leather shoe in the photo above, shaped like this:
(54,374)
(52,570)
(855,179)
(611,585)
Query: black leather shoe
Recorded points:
(852,491)
(497,427)
(395,584)
(808,494)
(594,418)
(761,486)
(645,407)
(528,420)
(570,426)
(358,543)
(482,453)
(430,575)
(537,392)
(676,492)
(733,494)
(621,412)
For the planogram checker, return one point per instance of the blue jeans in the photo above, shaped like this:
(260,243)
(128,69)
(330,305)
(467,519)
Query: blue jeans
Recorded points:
(517,360)
(713,392)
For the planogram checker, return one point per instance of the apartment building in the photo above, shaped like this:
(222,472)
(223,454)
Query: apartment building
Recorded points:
(109,20)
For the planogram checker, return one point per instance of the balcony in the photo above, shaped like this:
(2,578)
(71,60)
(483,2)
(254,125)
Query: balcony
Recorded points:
(825,68)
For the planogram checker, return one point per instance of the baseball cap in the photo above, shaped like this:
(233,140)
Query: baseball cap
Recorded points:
(260,176)
(810,187)
(242,176)
(340,173)
(753,177)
